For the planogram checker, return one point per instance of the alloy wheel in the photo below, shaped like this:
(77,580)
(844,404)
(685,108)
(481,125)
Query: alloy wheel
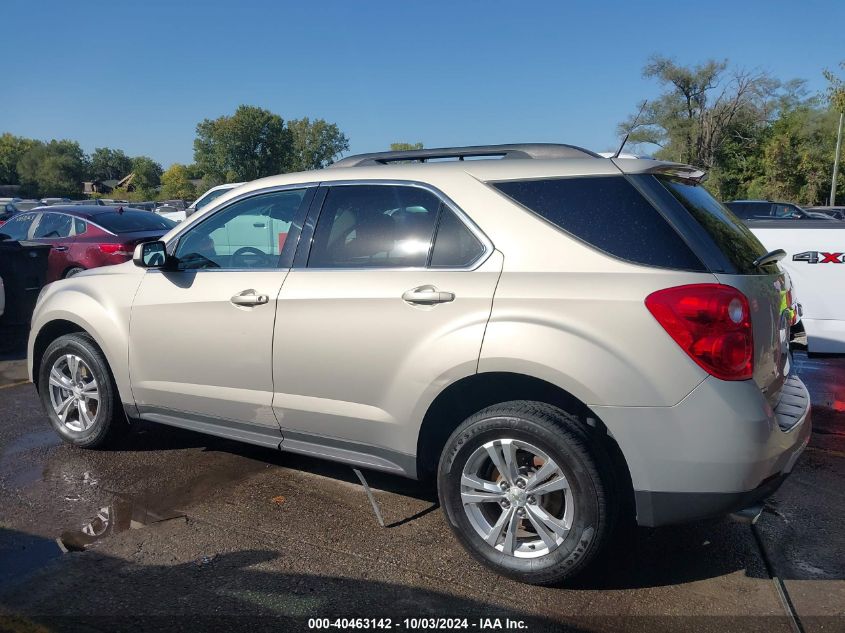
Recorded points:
(74,393)
(517,498)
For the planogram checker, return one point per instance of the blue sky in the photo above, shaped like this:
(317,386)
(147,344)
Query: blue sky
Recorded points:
(140,75)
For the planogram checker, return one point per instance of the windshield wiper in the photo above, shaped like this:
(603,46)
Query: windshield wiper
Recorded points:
(770,257)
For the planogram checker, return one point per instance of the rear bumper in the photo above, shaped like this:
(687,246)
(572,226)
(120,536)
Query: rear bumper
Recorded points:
(665,508)
(719,450)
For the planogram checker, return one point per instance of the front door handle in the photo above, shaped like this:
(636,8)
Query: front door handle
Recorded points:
(427,295)
(249,298)
(60,249)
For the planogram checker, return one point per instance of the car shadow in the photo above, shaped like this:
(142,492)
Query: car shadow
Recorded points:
(227,591)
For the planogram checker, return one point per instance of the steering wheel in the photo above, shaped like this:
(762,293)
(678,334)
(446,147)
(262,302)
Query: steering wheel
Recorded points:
(249,257)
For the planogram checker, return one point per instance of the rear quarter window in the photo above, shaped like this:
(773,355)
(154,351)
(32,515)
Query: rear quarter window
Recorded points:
(608,213)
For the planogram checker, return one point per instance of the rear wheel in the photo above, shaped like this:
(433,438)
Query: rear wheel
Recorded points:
(78,393)
(524,490)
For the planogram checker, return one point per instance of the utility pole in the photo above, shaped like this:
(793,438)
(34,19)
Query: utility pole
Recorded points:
(836,161)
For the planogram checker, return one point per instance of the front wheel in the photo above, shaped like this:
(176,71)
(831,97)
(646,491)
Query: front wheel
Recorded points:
(78,393)
(526,491)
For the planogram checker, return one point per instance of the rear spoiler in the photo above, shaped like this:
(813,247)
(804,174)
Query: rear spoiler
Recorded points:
(675,170)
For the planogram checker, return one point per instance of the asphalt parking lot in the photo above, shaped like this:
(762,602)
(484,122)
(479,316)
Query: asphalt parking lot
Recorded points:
(173,529)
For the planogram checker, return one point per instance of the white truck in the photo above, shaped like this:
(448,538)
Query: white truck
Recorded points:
(815,260)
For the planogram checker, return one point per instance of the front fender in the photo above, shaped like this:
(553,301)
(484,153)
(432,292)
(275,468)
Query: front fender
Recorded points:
(101,306)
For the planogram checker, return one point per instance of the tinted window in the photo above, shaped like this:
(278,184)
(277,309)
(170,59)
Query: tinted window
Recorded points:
(607,213)
(53,226)
(732,237)
(374,226)
(129,220)
(17,228)
(250,233)
(455,246)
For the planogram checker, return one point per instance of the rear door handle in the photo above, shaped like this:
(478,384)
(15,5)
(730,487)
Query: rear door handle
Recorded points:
(249,298)
(427,295)
(60,249)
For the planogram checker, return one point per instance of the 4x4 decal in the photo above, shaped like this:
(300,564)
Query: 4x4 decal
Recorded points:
(817,257)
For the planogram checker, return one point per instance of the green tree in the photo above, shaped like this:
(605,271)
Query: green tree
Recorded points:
(314,144)
(250,144)
(798,155)
(11,149)
(403,147)
(176,184)
(56,168)
(700,107)
(109,164)
(147,175)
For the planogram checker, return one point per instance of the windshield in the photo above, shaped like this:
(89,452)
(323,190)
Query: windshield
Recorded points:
(734,239)
(128,221)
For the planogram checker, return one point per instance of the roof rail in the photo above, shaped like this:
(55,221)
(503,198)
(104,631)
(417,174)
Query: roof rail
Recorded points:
(508,151)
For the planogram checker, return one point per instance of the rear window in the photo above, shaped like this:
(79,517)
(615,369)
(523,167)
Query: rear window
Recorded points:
(608,213)
(734,239)
(129,221)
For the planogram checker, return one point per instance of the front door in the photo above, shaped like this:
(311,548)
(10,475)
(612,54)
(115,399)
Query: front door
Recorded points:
(378,320)
(201,336)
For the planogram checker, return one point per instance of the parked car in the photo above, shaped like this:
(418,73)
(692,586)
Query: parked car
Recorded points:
(11,208)
(98,202)
(209,196)
(178,204)
(768,210)
(837,213)
(2,297)
(171,213)
(812,251)
(85,237)
(52,201)
(144,206)
(558,340)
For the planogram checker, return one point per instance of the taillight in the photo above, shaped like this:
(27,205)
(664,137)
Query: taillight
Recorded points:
(711,323)
(115,249)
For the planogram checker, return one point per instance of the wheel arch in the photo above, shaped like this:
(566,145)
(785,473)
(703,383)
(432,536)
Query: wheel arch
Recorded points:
(475,392)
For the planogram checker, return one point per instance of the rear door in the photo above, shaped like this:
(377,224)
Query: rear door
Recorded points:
(55,229)
(374,320)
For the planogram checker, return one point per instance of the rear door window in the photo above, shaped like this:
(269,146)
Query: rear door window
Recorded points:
(608,213)
(53,226)
(374,226)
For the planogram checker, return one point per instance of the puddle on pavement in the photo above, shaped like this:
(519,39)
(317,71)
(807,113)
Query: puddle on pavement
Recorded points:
(118,517)
(21,554)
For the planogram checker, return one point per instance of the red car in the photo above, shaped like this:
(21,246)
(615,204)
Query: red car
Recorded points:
(85,237)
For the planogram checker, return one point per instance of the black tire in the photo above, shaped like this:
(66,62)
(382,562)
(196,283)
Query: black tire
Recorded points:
(109,420)
(73,271)
(581,459)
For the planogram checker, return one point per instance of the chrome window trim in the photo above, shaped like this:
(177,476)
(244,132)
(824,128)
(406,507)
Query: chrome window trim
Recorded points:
(444,199)
(174,239)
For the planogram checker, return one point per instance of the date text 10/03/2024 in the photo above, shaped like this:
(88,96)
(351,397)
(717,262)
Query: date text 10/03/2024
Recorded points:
(418,624)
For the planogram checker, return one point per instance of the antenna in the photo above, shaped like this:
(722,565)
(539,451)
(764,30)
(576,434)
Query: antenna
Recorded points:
(631,129)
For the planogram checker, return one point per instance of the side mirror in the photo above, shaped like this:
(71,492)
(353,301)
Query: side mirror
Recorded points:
(150,255)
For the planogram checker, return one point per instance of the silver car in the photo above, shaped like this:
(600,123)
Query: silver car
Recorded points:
(556,338)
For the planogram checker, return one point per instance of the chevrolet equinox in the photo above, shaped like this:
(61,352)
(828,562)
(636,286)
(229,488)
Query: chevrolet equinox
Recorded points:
(556,337)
